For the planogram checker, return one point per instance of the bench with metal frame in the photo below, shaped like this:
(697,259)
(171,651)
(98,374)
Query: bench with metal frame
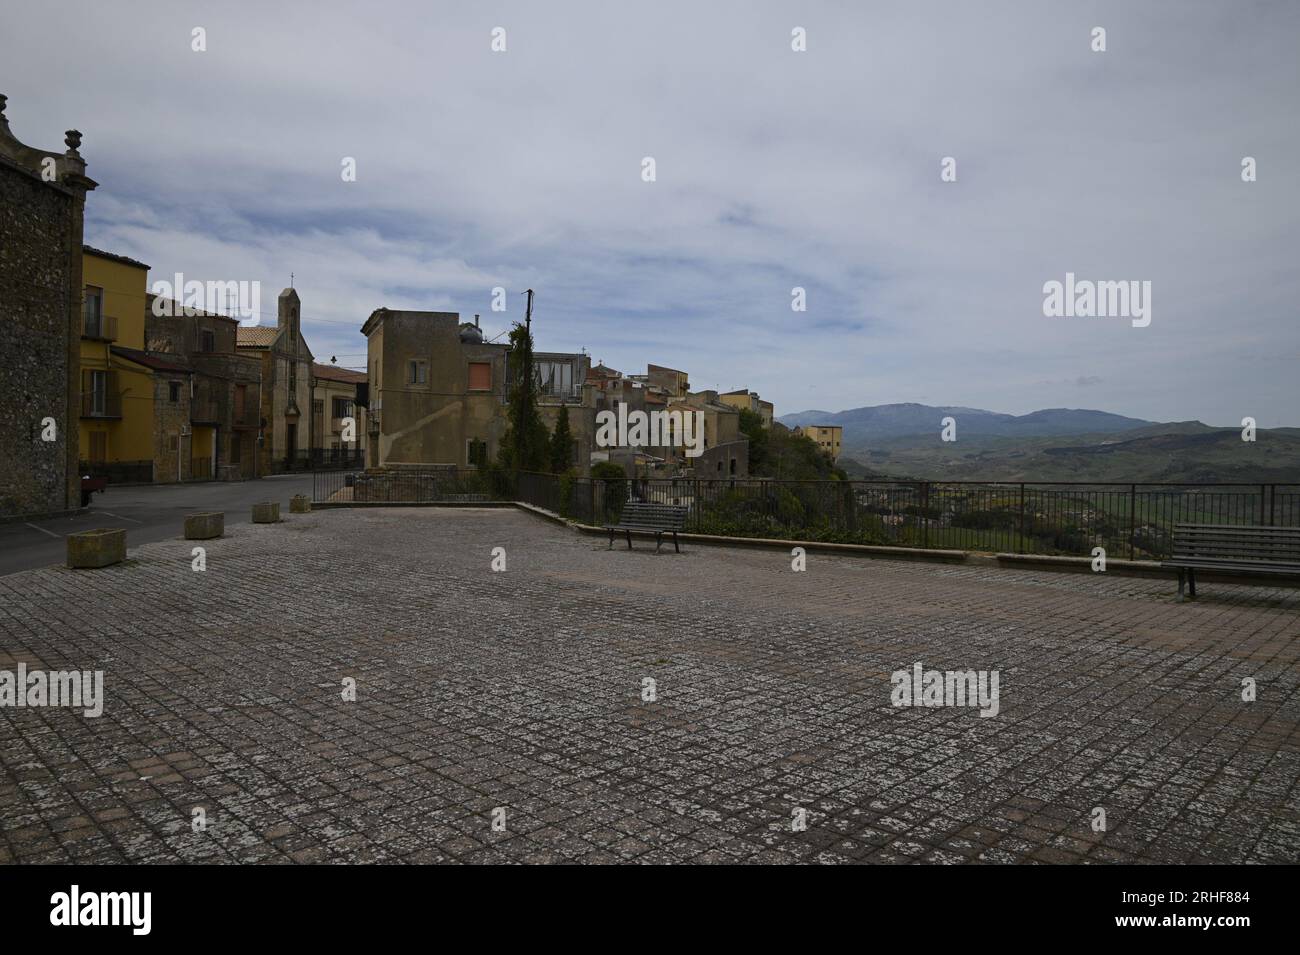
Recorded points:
(649,518)
(1232,548)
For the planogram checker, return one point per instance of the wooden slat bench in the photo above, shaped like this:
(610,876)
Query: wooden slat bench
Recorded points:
(657,519)
(1232,548)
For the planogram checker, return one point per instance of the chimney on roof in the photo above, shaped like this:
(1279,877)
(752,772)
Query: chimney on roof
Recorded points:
(476,319)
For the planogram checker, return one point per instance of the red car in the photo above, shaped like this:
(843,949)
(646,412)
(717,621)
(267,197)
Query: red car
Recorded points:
(89,485)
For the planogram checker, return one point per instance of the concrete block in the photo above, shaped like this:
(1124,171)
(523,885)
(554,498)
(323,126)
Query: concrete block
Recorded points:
(268,512)
(205,525)
(300,504)
(98,548)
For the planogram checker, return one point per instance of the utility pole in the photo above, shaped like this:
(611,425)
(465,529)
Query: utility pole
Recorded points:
(524,438)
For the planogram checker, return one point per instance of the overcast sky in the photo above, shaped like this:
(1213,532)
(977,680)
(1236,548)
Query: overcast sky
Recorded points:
(775,169)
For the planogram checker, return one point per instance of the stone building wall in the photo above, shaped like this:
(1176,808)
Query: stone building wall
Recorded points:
(42,197)
(171,450)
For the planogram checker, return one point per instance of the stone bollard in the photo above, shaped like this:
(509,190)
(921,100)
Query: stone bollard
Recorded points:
(98,548)
(205,525)
(300,504)
(267,512)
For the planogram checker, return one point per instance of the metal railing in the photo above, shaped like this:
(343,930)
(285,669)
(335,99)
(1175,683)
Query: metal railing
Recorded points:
(103,405)
(102,328)
(1127,520)
(337,458)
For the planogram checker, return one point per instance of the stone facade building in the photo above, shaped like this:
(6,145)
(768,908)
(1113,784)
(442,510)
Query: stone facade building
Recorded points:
(726,449)
(284,438)
(42,202)
(563,385)
(437,390)
(335,399)
(219,411)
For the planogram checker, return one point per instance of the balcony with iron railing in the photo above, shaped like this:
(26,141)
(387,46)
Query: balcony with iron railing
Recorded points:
(204,411)
(99,328)
(101,405)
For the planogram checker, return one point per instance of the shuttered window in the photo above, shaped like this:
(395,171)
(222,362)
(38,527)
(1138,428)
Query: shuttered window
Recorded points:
(480,376)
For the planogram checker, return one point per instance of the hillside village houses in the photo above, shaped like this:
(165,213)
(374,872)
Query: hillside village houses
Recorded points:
(438,397)
(828,437)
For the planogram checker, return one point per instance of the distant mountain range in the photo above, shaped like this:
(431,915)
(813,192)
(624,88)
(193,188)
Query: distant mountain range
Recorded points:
(864,425)
(1057,444)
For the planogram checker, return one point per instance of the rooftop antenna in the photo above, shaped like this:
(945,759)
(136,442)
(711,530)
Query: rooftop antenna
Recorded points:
(290,280)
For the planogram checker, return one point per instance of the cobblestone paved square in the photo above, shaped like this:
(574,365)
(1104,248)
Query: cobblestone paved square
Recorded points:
(522,690)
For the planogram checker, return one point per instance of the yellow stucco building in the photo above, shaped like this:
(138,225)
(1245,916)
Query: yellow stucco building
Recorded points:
(829,437)
(121,384)
(116,393)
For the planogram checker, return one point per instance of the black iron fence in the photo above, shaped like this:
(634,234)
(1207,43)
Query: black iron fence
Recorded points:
(328,458)
(1127,520)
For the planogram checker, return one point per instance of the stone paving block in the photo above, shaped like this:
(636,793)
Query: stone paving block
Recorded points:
(267,512)
(523,689)
(100,547)
(300,504)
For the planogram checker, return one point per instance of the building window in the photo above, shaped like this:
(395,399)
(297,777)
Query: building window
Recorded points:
(555,378)
(419,373)
(99,392)
(173,391)
(318,408)
(209,339)
(342,408)
(476,453)
(293,377)
(93,311)
(480,376)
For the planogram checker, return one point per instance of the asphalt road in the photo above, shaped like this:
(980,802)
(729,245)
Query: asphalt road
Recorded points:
(151,512)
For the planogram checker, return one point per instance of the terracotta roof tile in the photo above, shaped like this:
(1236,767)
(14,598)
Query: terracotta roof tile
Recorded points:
(256,336)
(335,373)
(113,256)
(149,361)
